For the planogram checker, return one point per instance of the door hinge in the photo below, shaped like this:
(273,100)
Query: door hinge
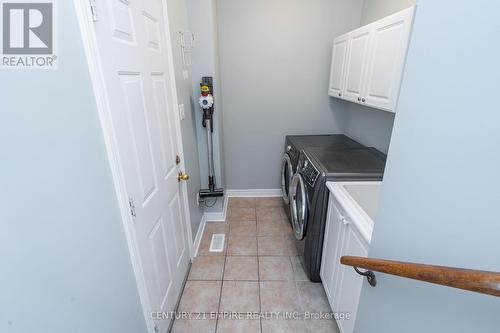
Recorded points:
(93,10)
(132,207)
(177,160)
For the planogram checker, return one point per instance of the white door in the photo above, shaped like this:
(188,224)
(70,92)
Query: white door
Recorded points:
(132,42)
(357,55)
(349,282)
(339,56)
(385,66)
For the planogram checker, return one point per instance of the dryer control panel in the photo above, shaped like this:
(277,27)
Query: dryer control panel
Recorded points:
(309,172)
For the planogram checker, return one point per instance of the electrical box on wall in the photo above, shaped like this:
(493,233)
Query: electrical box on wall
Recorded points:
(186,43)
(182,112)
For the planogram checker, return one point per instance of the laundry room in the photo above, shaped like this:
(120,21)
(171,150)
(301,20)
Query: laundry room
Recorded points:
(213,166)
(270,62)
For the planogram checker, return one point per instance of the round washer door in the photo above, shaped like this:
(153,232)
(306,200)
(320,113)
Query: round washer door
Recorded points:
(286,178)
(298,206)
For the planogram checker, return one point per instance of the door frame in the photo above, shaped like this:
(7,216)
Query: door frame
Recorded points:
(88,34)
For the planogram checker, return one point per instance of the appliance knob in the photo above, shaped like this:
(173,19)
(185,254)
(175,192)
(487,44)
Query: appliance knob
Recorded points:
(359,99)
(363,100)
(340,94)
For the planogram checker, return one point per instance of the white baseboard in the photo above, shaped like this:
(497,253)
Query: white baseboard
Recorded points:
(254,193)
(217,216)
(199,235)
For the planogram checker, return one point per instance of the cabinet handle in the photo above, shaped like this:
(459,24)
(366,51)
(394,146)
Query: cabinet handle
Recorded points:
(363,100)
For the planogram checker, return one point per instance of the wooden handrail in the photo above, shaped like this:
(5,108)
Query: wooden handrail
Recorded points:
(467,279)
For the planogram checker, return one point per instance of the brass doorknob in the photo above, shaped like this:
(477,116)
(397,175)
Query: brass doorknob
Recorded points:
(182,176)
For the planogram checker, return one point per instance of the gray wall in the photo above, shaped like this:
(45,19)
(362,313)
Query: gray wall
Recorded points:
(65,261)
(275,58)
(376,9)
(178,21)
(369,126)
(441,192)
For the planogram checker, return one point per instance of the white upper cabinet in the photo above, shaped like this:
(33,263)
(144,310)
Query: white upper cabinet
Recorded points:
(357,56)
(339,57)
(374,62)
(390,37)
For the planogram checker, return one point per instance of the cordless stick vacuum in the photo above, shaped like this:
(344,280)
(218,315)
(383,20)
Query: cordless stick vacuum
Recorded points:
(207,105)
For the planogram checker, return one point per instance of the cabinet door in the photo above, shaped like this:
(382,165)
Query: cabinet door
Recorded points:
(349,283)
(337,74)
(390,38)
(331,247)
(357,56)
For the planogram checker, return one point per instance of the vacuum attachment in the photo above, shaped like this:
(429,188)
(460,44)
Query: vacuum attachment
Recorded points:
(216,193)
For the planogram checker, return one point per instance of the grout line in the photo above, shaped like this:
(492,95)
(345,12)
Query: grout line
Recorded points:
(258,279)
(301,301)
(220,293)
(291,266)
(226,245)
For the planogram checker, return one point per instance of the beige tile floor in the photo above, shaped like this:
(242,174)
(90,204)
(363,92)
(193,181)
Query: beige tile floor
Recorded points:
(258,271)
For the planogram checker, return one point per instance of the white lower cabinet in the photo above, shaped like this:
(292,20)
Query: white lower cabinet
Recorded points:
(347,233)
(348,282)
(331,251)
